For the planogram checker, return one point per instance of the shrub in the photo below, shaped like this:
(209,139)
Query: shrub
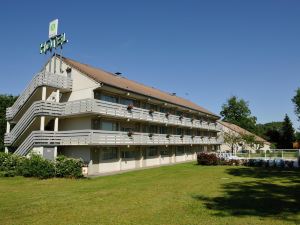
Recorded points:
(36,166)
(9,164)
(67,167)
(204,158)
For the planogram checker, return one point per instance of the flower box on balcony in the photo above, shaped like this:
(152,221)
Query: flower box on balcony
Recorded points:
(130,107)
(151,111)
(130,133)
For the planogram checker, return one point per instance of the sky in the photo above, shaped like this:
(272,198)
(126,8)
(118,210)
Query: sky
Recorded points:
(205,51)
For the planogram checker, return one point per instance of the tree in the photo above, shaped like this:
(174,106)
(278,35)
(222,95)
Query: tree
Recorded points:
(297,136)
(287,134)
(251,141)
(237,111)
(248,139)
(271,132)
(5,101)
(232,140)
(296,101)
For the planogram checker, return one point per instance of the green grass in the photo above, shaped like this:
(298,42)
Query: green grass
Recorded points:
(179,194)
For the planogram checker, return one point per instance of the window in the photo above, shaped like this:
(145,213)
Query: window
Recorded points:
(165,152)
(153,129)
(109,153)
(152,151)
(106,97)
(128,101)
(128,154)
(179,131)
(179,150)
(162,130)
(189,150)
(110,126)
(98,124)
(95,155)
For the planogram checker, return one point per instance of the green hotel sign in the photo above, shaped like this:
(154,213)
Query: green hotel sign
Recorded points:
(53,43)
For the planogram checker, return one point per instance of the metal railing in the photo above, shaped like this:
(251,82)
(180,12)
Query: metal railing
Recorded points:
(101,137)
(270,154)
(41,79)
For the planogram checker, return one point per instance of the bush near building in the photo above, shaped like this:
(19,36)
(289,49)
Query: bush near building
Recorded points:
(36,166)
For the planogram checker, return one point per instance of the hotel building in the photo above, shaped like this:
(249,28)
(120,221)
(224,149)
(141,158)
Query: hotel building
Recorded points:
(109,121)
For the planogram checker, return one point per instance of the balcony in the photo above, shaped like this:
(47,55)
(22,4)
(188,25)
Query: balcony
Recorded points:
(41,79)
(101,137)
(93,106)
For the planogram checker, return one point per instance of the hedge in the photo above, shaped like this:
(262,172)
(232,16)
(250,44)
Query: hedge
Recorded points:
(37,166)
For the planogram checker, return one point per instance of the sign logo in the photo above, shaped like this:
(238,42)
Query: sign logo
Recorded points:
(53,27)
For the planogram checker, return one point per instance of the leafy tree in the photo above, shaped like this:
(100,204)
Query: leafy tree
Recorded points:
(297,136)
(248,139)
(237,111)
(5,101)
(270,132)
(296,101)
(232,140)
(287,134)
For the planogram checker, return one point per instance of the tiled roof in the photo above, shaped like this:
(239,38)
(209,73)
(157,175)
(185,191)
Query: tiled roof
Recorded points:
(110,79)
(241,131)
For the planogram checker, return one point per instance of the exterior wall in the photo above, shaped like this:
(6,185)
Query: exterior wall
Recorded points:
(76,123)
(120,164)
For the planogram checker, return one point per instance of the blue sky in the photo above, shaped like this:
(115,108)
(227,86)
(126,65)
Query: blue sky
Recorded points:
(205,51)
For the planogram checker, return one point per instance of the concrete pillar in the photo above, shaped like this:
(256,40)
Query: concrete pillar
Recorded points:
(42,124)
(56,124)
(44,93)
(7,127)
(120,158)
(6,150)
(141,157)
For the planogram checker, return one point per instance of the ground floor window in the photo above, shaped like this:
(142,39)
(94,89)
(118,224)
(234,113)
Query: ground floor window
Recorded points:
(152,151)
(109,153)
(179,150)
(128,154)
(95,155)
(165,152)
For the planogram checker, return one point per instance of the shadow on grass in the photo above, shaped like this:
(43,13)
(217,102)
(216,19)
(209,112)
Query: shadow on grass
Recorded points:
(261,197)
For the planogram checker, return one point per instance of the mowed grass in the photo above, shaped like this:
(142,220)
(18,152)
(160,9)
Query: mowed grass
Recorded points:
(178,194)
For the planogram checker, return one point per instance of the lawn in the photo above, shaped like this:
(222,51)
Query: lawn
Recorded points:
(178,194)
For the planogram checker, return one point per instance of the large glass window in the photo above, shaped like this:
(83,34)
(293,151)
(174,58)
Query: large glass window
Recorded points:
(107,125)
(128,154)
(106,97)
(98,124)
(152,151)
(109,153)
(179,150)
(165,152)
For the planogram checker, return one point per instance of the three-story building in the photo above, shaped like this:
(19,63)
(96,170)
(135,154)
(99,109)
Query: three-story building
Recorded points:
(111,122)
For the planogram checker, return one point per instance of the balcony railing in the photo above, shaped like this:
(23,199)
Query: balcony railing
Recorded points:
(47,108)
(101,137)
(41,79)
